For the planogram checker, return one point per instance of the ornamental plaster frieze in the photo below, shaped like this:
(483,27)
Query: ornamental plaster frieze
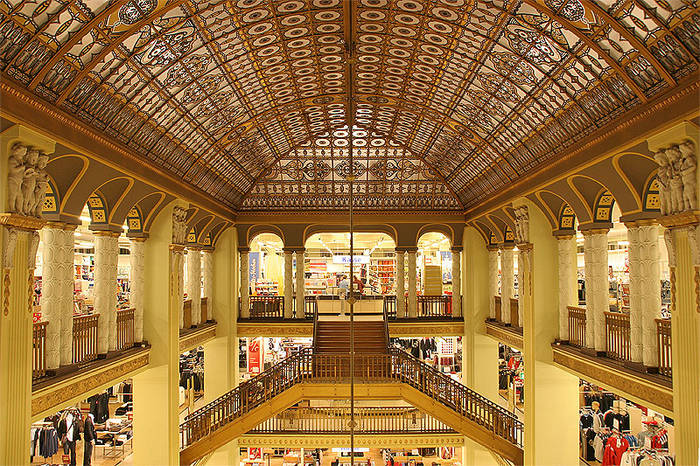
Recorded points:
(340,440)
(507,335)
(196,338)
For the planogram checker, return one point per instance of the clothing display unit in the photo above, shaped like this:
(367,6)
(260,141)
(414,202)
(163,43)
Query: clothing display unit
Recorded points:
(443,353)
(272,351)
(192,371)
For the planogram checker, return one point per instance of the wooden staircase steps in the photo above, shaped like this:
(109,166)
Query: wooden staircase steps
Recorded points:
(334,337)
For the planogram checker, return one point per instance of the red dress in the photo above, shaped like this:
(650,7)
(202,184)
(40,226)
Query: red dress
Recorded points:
(614,448)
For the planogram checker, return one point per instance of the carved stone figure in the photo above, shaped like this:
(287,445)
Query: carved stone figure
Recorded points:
(179,225)
(522,225)
(688,167)
(42,183)
(664,179)
(674,160)
(15,176)
(29,181)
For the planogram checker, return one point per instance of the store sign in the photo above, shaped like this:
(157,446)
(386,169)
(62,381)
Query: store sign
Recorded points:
(36,317)
(254,453)
(346,259)
(253,267)
(255,355)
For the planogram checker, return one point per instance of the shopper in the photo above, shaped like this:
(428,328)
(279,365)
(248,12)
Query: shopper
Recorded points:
(90,437)
(69,432)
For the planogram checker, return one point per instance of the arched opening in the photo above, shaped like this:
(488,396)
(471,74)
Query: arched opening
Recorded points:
(434,265)
(266,265)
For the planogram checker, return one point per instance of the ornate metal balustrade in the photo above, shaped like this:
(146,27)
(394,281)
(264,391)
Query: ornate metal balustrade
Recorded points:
(434,306)
(396,366)
(39,350)
(389,306)
(125,329)
(85,330)
(334,420)
(262,307)
(617,336)
(577,326)
(663,335)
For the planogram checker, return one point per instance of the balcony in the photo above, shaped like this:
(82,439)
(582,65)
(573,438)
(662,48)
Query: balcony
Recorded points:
(192,336)
(506,331)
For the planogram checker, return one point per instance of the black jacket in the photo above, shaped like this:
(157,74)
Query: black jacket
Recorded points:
(89,430)
(63,428)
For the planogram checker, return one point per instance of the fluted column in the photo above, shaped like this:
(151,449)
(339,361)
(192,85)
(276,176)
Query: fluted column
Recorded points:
(68,288)
(56,300)
(245,287)
(106,257)
(137,284)
(595,252)
(208,278)
(507,277)
(412,297)
(301,287)
(457,282)
(288,288)
(524,282)
(194,283)
(493,280)
(568,290)
(401,283)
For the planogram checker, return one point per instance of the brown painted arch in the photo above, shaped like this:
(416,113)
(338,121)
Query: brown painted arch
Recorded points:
(258,229)
(446,230)
(311,230)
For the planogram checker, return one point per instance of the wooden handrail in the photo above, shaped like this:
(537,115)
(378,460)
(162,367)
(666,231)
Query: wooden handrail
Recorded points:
(497,307)
(617,336)
(125,329)
(187,314)
(305,366)
(389,306)
(370,420)
(262,307)
(205,310)
(434,306)
(663,335)
(85,332)
(310,306)
(577,326)
(514,312)
(39,350)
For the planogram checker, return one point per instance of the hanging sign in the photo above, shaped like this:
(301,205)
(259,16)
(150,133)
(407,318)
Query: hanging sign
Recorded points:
(255,355)
(253,267)
(254,453)
(346,259)
(36,317)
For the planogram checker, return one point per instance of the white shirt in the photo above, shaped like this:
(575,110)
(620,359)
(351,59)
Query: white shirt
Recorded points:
(69,426)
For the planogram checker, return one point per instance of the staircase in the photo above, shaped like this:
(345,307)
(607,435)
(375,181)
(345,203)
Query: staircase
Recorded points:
(313,373)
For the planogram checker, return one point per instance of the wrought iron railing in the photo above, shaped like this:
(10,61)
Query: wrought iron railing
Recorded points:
(125,329)
(663,335)
(434,306)
(369,420)
(310,306)
(577,326)
(263,307)
(85,330)
(39,350)
(389,306)
(617,336)
(396,366)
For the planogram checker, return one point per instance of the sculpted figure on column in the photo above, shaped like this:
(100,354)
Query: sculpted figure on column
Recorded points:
(179,225)
(15,176)
(688,168)
(29,181)
(522,225)
(677,178)
(42,182)
(663,177)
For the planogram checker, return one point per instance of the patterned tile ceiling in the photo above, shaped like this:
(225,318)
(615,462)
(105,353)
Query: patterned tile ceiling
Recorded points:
(452,100)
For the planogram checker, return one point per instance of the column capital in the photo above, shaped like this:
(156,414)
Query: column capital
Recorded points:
(176,247)
(244,250)
(563,234)
(524,246)
(61,226)
(193,247)
(456,248)
(640,223)
(492,247)
(682,220)
(289,250)
(137,239)
(137,236)
(506,246)
(107,233)
(411,249)
(22,222)
(595,231)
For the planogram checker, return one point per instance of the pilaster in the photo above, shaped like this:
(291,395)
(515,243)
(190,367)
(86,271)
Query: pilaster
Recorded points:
(106,257)
(137,284)
(194,283)
(456,282)
(493,280)
(595,250)
(412,291)
(301,284)
(245,285)
(208,279)
(507,279)
(568,296)
(288,288)
(401,283)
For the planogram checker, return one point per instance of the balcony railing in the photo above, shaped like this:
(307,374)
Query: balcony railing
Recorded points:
(205,310)
(577,326)
(514,313)
(39,350)
(310,306)
(265,307)
(617,336)
(125,329)
(85,329)
(187,314)
(663,334)
(497,306)
(434,306)
(334,420)
(389,306)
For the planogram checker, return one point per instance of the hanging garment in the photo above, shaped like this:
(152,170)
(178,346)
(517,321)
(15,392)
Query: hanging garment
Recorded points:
(614,448)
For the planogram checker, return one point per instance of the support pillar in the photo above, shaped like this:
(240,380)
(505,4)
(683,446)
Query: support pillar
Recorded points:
(106,257)
(208,280)
(301,285)
(551,394)
(245,286)
(18,253)
(57,293)
(288,287)
(412,292)
(595,252)
(137,284)
(401,283)
(194,283)
(457,281)
(156,391)
(568,283)
(507,278)
(493,280)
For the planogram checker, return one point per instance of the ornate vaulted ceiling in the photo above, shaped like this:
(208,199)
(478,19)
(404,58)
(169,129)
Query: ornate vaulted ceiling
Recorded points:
(248,99)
